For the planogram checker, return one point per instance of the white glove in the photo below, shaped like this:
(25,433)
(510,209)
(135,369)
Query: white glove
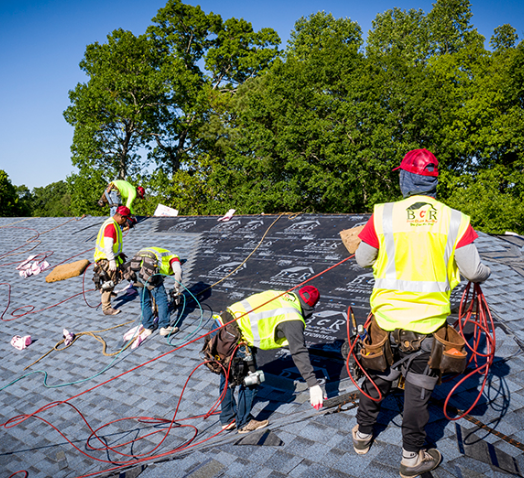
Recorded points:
(112,265)
(316,397)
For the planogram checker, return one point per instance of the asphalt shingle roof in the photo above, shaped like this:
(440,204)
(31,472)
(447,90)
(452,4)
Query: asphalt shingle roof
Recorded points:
(300,442)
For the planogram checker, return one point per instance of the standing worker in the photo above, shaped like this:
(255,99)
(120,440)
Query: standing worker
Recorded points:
(418,247)
(148,268)
(118,190)
(266,321)
(108,257)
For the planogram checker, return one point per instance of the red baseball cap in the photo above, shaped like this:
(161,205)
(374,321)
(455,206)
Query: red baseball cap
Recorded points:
(123,211)
(141,191)
(309,294)
(420,161)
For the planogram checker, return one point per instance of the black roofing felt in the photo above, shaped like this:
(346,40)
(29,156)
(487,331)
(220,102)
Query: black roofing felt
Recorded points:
(300,442)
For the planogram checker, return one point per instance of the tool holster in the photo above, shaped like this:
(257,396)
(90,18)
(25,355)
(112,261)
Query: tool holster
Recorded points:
(448,354)
(375,353)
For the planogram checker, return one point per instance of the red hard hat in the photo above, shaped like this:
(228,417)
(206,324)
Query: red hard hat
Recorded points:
(141,191)
(420,161)
(123,211)
(309,294)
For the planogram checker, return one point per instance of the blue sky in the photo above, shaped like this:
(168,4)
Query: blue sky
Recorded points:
(42,42)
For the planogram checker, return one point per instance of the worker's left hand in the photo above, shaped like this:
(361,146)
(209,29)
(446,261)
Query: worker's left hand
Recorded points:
(316,397)
(112,265)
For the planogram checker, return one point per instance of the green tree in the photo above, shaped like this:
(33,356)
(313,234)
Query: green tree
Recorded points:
(10,203)
(113,111)
(230,51)
(53,200)
(291,148)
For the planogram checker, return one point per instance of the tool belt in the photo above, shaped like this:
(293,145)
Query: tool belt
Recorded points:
(375,352)
(448,354)
(218,349)
(407,340)
(446,346)
(145,267)
(102,274)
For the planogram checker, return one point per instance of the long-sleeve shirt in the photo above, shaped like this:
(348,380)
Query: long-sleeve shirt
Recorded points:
(293,331)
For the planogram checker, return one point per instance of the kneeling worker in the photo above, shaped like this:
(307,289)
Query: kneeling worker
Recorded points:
(417,247)
(268,324)
(148,267)
(108,257)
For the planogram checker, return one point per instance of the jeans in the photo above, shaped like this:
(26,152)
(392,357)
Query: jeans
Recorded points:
(113,197)
(229,407)
(159,294)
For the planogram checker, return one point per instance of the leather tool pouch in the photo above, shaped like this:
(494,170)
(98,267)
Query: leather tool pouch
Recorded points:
(149,268)
(218,349)
(449,351)
(376,353)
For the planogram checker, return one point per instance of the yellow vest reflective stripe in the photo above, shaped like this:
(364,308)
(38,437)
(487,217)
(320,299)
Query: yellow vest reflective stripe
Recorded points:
(117,245)
(258,327)
(163,257)
(415,269)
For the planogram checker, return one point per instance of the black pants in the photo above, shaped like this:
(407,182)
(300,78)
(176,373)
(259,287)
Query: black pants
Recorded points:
(415,415)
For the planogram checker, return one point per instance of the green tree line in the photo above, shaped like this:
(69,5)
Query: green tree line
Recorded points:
(208,114)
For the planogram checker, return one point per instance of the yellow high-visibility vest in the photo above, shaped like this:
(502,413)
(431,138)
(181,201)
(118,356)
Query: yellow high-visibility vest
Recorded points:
(117,245)
(258,327)
(415,270)
(163,257)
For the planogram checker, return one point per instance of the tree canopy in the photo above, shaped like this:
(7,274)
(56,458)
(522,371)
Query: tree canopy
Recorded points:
(209,114)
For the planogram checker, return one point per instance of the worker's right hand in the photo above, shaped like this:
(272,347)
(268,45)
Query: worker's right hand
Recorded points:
(112,265)
(316,397)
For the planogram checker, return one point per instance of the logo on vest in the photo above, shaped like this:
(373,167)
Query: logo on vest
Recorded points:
(421,214)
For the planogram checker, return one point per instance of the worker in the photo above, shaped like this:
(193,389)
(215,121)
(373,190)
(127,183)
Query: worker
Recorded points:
(267,320)
(147,269)
(118,190)
(109,257)
(418,247)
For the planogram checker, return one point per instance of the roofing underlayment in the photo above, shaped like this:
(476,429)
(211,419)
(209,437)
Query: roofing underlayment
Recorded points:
(143,388)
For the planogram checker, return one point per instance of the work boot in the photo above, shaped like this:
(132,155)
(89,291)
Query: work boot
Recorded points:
(146,333)
(229,426)
(168,330)
(253,425)
(361,444)
(426,460)
(111,311)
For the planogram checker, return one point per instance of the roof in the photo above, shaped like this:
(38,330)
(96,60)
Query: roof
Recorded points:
(300,442)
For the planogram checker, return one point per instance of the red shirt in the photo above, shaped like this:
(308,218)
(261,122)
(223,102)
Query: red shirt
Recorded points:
(110,231)
(369,235)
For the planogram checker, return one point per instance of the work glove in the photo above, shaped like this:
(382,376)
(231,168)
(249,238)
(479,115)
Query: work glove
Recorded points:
(316,397)
(112,265)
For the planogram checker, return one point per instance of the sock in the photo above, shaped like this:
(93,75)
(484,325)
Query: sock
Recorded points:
(409,458)
(363,436)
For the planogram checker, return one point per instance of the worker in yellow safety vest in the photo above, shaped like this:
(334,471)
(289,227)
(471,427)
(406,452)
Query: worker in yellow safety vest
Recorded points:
(147,269)
(267,320)
(108,257)
(116,191)
(418,248)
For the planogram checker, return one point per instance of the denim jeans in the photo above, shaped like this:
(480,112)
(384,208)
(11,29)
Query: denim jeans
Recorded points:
(113,197)
(229,407)
(160,296)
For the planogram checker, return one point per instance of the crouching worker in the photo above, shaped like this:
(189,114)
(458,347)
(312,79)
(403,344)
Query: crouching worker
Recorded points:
(109,257)
(147,269)
(265,321)
(418,247)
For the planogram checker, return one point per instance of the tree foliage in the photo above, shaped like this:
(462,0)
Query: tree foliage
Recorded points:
(11,205)
(209,114)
